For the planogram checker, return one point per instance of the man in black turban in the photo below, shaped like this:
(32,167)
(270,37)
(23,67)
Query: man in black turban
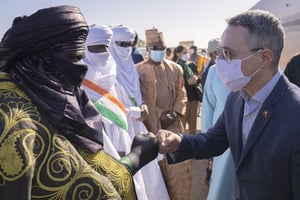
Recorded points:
(51,142)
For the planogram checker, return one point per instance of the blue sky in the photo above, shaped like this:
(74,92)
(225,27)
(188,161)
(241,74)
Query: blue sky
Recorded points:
(179,20)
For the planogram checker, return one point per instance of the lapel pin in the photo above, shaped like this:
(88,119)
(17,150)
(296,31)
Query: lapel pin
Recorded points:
(265,113)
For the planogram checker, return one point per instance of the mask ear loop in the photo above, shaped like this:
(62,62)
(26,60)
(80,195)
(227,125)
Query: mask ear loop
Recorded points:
(249,57)
(255,72)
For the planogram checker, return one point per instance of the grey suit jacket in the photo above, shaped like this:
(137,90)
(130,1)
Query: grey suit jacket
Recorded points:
(268,167)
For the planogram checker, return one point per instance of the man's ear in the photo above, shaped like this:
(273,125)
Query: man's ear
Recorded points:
(266,58)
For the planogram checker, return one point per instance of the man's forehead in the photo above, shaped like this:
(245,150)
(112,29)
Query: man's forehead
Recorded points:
(234,36)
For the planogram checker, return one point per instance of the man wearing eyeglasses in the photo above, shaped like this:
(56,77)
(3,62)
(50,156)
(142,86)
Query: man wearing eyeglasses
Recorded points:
(260,121)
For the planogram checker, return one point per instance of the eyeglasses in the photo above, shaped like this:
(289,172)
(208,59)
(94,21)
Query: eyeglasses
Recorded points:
(228,55)
(124,44)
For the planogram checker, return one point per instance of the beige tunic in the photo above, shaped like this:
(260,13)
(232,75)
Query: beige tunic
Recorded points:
(162,87)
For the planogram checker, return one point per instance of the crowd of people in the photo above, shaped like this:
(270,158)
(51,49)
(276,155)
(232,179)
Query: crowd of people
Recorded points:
(84,115)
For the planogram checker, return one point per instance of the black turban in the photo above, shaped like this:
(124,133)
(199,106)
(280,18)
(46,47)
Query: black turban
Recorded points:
(28,52)
(50,29)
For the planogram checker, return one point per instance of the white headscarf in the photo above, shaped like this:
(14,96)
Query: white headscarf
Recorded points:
(127,74)
(101,66)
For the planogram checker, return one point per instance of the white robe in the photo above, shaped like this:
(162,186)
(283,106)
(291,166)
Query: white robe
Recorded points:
(153,179)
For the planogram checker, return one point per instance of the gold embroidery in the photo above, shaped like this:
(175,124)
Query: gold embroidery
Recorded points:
(31,149)
(116,172)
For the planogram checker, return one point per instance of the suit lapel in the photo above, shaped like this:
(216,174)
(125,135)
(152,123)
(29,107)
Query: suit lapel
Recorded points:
(263,117)
(238,140)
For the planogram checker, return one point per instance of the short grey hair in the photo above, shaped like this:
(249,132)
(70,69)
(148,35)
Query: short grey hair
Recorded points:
(265,30)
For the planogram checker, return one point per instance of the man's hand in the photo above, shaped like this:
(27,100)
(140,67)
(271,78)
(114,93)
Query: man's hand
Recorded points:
(167,118)
(144,112)
(169,142)
(144,149)
(193,80)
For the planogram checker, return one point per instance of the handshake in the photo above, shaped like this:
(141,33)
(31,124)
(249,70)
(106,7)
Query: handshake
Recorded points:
(145,148)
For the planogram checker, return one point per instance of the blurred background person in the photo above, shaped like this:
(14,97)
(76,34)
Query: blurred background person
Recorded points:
(181,57)
(169,53)
(191,79)
(220,169)
(212,49)
(194,56)
(292,70)
(136,54)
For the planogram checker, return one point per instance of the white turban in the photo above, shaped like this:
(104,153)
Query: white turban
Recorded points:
(127,73)
(123,33)
(101,66)
(99,35)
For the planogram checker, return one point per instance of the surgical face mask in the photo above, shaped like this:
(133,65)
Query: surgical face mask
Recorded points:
(185,57)
(157,56)
(231,73)
(192,51)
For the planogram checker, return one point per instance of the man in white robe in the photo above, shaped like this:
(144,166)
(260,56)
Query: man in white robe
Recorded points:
(108,95)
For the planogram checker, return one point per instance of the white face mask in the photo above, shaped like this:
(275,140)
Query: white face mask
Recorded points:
(99,59)
(192,51)
(124,52)
(231,73)
(185,57)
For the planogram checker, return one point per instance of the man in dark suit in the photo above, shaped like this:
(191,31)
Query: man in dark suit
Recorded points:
(261,118)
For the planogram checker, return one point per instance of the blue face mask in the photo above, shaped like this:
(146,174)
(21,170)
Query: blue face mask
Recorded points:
(157,56)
